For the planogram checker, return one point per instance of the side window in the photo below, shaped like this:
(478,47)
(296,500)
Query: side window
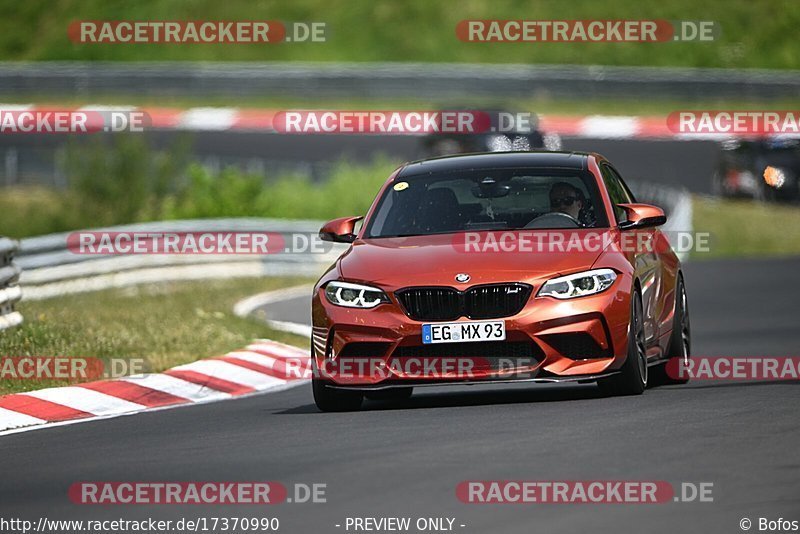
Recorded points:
(617,191)
(628,194)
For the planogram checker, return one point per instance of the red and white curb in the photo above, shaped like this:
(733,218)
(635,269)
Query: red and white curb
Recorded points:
(262,366)
(261,120)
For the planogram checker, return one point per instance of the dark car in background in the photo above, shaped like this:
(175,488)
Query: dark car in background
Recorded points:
(762,169)
(508,131)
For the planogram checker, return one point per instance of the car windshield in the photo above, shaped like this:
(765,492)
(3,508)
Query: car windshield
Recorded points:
(487,199)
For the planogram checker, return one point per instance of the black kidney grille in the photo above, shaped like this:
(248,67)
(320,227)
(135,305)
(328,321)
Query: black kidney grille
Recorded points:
(480,302)
(431,303)
(501,300)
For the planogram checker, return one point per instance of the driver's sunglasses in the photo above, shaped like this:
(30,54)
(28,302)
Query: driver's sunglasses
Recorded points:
(563,201)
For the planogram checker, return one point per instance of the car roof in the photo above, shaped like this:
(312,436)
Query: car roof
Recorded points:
(497,160)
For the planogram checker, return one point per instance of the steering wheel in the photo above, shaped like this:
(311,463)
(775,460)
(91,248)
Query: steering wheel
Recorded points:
(554,219)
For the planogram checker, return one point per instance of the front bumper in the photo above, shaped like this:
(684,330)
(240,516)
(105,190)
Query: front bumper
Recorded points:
(549,340)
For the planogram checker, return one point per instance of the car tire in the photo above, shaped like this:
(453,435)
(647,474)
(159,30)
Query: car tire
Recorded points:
(632,376)
(392,394)
(680,342)
(329,399)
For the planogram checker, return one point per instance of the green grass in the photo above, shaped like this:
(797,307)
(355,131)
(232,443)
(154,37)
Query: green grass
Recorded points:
(29,211)
(743,228)
(165,324)
(754,34)
(33,210)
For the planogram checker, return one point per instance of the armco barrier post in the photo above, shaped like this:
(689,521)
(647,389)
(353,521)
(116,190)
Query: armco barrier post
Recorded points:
(10,292)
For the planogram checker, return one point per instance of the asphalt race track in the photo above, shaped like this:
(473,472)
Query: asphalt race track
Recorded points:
(406,459)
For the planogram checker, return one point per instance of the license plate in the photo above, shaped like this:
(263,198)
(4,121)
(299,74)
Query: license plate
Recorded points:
(463,332)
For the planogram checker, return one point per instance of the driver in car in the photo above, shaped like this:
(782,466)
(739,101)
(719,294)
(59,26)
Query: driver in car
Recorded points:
(568,199)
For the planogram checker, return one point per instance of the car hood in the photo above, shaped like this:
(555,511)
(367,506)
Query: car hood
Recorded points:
(437,259)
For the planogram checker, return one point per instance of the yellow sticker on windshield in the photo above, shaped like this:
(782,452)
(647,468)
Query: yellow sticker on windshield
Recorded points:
(400,186)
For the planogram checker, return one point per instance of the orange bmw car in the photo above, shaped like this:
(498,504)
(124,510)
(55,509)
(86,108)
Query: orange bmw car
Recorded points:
(497,268)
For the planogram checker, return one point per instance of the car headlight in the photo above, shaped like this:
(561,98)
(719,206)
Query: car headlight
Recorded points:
(774,177)
(354,295)
(578,284)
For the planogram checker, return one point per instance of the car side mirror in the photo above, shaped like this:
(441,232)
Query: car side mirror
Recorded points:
(341,230)
(642,216)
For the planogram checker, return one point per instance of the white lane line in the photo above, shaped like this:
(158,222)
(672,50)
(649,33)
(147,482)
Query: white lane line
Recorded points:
(11,419)
(298,329)
(248,305)
(231,373)
(175,386)
(86,400)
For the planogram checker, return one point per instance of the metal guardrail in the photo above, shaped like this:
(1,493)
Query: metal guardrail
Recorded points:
(49,269)
(365,80)
(10,292)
